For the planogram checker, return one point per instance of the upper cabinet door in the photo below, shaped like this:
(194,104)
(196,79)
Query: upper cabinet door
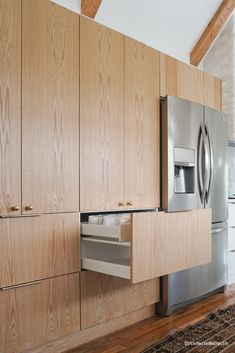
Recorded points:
(50,108)
(142,126)
(101,117)
(10,107)
(185,81)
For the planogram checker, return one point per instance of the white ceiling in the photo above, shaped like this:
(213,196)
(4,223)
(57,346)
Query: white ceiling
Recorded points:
(171,26)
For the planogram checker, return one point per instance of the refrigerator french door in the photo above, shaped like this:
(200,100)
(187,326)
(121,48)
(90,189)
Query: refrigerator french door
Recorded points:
(194,166)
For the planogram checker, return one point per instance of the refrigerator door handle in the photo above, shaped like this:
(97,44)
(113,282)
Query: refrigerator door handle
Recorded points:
(218,230)
(210,159)
(199,164)
(202,163)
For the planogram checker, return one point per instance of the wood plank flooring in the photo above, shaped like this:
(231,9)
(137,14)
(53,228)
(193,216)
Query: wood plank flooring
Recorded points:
(141,335)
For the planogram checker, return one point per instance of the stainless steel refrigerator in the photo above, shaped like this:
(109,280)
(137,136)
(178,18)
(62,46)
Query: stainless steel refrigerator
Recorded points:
(194,158)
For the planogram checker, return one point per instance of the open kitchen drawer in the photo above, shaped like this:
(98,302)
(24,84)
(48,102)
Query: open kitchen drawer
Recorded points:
(153,244)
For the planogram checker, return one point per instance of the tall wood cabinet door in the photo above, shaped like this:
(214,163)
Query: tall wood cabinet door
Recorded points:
(50,108)
(168,242)
(142,125)
(39,313)
(101,117)
(10,107)
(34,248)
(104,298)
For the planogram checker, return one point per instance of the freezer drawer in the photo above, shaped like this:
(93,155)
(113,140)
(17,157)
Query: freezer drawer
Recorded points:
(161,243)
(188,285)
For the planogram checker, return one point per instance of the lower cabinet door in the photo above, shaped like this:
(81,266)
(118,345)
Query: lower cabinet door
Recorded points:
(34,248)
(104,298)
(38,313)
(158,244)
(164,243)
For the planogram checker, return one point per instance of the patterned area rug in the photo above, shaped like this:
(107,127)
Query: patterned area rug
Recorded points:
(214,334)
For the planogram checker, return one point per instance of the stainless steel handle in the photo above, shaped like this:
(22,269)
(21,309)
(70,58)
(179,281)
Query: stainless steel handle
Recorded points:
(218,230)
(232,250)
(199,167)
(210,168)
(202,163)
(21,285)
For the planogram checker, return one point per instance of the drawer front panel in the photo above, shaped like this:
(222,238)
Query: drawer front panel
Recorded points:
(34,248)
(104,298)
(39,313)
(168,242)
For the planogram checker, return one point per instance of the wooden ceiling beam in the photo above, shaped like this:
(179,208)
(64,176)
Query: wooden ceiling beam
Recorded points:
(89,8)
(211,31)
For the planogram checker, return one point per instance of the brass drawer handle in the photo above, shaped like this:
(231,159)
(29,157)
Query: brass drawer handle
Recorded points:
(29,208)
(21,285)
(121,204)
(15,208)
(129,203)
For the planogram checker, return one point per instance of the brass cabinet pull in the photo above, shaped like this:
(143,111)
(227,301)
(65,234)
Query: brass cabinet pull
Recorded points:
(29,208)
(129,203)
(121,204)
(21,285)
(15,208)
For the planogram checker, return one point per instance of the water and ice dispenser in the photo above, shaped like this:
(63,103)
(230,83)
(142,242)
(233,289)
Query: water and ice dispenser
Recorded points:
(184,163)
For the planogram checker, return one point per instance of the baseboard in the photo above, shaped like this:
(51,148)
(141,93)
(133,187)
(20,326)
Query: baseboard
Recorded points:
(78,338)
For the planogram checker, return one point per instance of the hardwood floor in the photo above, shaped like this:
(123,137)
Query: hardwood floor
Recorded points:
(141,335)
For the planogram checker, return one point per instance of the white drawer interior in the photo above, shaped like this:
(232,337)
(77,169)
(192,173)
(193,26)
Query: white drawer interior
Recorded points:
(121,232)
(108,257)
(231,239)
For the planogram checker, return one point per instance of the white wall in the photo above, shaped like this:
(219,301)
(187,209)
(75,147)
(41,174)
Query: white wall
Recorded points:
(171,26)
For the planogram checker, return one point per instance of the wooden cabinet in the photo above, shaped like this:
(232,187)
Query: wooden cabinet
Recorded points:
(10,107)
(39,312)
(185,81)
(101,117)
(142,125)
(104,298)
(119,121)
(159,244)
(33,248)
(50,108)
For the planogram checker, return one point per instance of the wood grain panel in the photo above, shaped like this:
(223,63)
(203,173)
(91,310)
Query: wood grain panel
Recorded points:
(213,91)
(184,81)
(142,125)
(10,106)
(180,80)
(39,313)
(168,242)
(101,117)
(104,298)
(78,338)
(33,248)
(50,107)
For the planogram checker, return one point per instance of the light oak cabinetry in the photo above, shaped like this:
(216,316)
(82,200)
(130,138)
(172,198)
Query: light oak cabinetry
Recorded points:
(101,117)
(104,298)
(10,107)
(38,313)
(119,121)
(160,243)
(142,125)
(33,248)
(50,108)
(185,81)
